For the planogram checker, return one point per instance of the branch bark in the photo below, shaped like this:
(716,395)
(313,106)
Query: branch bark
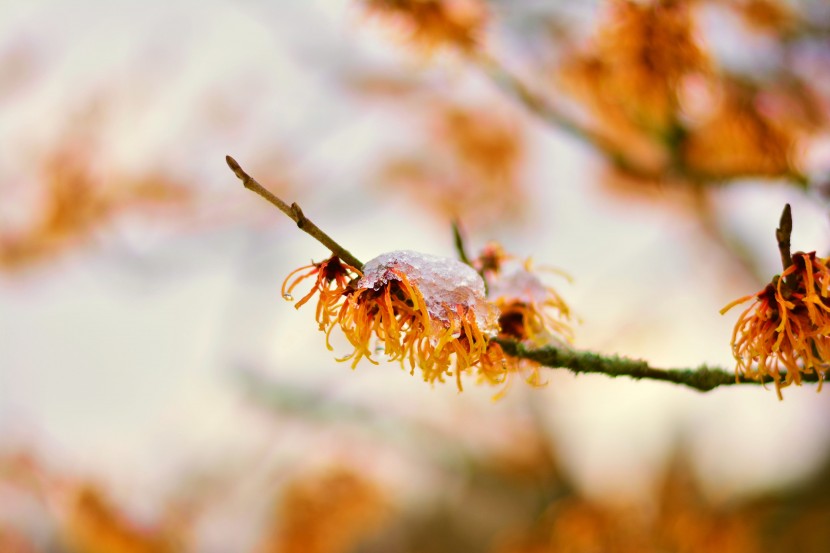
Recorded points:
(703,378)
(295,214)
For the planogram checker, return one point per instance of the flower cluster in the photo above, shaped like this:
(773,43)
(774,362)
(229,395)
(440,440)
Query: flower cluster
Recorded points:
(632,71)
(784,333)
(735,137)
(75,199)
(432,313)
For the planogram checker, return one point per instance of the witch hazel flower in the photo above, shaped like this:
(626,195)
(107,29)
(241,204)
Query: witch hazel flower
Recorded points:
(785,333)
(333,281)
(424,311)
(531,312)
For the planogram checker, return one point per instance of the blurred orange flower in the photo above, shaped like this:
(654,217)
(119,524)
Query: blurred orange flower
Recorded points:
(328,513)
(680,520)
(470,167)
(767,15)
(631,75)
(737,139)
(93,525)
(429,24)
(76,200)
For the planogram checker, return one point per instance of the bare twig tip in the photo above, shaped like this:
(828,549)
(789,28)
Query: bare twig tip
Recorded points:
(237,170)
(294,213)
(786,223)
(782,235)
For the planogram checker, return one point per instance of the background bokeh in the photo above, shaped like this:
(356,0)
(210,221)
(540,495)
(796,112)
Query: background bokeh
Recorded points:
(151,373)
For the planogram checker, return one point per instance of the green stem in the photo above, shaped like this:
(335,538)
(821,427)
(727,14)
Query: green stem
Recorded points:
(703,378)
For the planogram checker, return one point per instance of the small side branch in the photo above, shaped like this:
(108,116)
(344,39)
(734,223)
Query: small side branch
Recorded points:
(782,236)
(295,214)
(703,378)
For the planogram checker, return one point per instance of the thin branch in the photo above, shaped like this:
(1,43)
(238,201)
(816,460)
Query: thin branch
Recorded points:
(782,236)
(703,378)
(543,109)
(295,214)
(550,114)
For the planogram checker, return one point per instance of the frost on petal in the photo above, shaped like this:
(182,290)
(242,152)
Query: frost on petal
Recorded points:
(521,285)
(445,284)
(530,309)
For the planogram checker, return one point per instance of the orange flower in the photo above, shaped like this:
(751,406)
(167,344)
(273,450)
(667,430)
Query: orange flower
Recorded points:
(738,139)
(334,280)
(469,165)
(433,23)
(332,512)
(787,327)
(530,312)
(630,75)
(420,310)
(77,199)
(94,525)
(431,313)
(423,310)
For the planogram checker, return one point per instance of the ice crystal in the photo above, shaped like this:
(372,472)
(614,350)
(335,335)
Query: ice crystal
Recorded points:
(445,284)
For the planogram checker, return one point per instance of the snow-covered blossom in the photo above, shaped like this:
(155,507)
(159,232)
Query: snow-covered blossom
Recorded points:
(426,312)
(530,311)
(423,310)
(435,314)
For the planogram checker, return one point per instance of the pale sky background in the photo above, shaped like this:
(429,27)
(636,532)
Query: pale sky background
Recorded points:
(119,359)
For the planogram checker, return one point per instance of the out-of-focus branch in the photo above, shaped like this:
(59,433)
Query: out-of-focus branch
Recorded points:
(548,113)
(737,249)
(703,378)
(296,214)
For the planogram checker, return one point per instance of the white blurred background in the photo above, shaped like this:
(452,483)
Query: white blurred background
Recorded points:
(128,356)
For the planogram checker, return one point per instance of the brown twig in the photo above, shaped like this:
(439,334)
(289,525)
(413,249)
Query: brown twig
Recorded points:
(782,235)
(296,214)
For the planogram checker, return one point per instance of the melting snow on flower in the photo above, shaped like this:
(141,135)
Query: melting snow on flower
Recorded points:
(433,313)
(424,310)
(531,312)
